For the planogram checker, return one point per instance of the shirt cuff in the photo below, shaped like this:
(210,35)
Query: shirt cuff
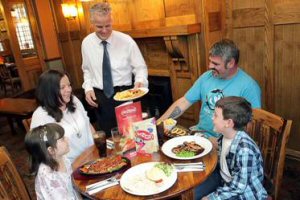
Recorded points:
(142,80)
(212,196)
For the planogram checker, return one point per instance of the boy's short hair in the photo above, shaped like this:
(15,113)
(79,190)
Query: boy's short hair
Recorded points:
(236,108)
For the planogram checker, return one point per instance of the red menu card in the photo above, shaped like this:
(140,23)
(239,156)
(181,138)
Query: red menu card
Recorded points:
(126,114)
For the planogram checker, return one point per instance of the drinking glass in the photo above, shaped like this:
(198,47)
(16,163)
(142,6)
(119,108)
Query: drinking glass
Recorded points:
(100,142)
(116,137)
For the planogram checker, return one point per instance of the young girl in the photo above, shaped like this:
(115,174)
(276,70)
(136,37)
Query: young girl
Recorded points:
(47,146)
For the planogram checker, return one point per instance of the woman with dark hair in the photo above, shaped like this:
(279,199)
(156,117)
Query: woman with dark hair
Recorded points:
(57,104)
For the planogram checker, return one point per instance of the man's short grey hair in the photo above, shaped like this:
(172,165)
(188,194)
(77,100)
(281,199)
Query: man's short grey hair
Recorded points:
(226,49)
(101,9)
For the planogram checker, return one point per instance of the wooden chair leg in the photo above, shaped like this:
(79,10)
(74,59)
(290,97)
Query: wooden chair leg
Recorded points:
(11,125)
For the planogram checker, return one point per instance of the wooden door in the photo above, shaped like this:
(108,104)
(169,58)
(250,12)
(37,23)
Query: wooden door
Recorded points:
(24,39)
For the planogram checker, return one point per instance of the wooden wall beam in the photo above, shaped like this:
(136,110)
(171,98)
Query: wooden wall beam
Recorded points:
(166,31)
(268,65)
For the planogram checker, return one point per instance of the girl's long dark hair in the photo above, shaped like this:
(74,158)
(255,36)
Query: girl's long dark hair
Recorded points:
(37,142)
(48,94)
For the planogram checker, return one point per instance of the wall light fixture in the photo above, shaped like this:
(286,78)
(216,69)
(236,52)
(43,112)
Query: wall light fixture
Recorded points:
(69,11)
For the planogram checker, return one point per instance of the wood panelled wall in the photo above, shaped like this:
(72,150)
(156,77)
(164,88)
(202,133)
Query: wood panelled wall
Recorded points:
(173,36)
(267,32)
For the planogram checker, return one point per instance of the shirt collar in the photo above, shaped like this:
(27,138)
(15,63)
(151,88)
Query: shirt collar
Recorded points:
(109,39)
(234,142)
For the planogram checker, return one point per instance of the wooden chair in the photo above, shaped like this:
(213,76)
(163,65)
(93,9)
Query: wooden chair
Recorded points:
(8,80)
(11,184)
(271,133)
(26,124)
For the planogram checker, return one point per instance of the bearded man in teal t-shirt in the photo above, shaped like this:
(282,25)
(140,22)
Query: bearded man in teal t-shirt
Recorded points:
(224,78)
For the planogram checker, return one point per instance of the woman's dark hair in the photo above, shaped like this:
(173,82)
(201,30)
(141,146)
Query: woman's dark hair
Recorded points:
(48,94)
(236,108)
(37,142)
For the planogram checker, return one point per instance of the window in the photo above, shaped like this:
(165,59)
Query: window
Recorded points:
(23,30)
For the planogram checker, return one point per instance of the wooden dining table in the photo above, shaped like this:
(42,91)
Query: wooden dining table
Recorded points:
(183,187)
(17,108)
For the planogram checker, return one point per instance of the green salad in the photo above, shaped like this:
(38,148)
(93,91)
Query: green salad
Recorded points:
(185,154)
(165,167)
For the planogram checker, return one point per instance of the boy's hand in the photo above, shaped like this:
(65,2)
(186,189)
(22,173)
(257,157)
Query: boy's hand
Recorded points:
(214,142)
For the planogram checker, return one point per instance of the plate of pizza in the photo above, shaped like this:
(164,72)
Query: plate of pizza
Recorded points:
(105,165)
(131,94)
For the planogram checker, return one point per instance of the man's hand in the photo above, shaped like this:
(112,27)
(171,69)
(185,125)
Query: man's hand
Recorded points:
(204,198)
(90,97)
(138,85)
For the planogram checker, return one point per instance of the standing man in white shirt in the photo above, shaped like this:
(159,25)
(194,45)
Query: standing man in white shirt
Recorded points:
(124,57)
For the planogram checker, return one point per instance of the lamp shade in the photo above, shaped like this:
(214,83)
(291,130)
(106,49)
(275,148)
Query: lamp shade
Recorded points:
(69,11)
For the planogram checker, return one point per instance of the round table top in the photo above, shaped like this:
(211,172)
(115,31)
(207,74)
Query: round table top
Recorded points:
(186,181)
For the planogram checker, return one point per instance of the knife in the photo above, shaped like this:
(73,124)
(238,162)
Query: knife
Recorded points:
(189,167)
(189,164)
(102,183)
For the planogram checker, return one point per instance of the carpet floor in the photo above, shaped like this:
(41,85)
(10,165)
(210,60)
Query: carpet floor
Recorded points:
(15,144)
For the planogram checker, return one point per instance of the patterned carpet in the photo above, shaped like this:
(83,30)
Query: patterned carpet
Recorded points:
(15,145)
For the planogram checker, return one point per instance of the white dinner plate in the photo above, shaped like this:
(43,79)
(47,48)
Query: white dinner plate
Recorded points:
(134,181)
(145,91)
(170,144)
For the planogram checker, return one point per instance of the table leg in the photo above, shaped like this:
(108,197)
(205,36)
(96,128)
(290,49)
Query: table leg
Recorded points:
(11,125)
(187,195)
(20,124)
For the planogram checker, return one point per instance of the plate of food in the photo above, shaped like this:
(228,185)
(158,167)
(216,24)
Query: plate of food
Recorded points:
(131,94)
(187,147)
(176,131)
(105,165)
(148,178)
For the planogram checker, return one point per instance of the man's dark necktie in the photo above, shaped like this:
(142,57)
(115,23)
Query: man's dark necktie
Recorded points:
(108,86)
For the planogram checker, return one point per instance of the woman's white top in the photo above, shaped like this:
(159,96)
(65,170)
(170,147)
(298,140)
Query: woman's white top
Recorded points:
(54,185)
(76,125)
(225,173)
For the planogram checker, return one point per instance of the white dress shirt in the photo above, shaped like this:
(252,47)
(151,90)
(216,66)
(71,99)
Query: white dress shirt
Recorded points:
(125,59)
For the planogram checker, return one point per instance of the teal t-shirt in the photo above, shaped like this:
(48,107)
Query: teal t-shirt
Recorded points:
(209,89)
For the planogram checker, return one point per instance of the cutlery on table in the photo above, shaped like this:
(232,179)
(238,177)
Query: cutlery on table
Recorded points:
(189,167)
(113,179)
(189,164)
(184,167)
